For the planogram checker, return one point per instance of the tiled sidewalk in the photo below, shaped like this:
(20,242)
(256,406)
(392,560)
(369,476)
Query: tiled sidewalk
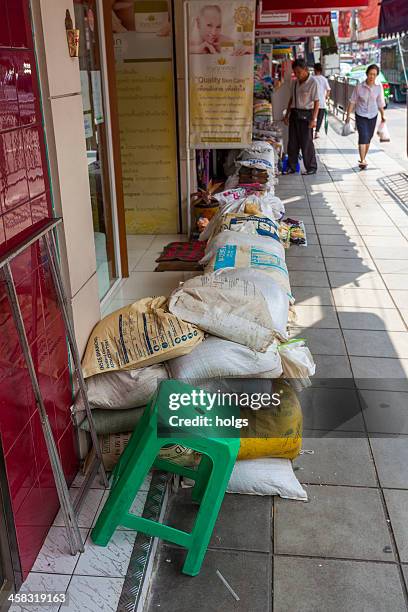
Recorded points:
(347,549)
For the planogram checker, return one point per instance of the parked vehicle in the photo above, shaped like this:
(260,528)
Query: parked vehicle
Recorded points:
(393,68)
(359,73)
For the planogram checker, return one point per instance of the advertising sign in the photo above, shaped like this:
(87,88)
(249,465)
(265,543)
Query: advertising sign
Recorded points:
(288,24)
(221,68)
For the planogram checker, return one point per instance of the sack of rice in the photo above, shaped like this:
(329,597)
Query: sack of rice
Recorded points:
(138,335)
(239,305)
(218,358)
(261,260)
(241,239)
(252,224)
(123,389)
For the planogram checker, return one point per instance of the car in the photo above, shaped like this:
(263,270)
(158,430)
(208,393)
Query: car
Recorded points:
(359,73)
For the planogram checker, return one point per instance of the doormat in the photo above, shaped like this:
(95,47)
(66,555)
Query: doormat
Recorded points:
(183,256)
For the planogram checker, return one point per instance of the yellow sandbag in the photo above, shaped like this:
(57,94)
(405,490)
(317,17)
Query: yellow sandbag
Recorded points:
(278,430)
(137,336)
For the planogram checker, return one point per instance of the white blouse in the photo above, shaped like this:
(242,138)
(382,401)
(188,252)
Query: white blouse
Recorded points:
(368,99)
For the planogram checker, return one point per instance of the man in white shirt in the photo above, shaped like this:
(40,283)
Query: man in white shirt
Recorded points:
(301,115)
(324,92)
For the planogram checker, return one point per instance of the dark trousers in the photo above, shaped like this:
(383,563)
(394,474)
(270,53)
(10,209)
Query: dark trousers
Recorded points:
(301,139)
(320,117)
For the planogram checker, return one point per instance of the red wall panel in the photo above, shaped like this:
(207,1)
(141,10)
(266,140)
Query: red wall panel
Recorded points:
(24,201)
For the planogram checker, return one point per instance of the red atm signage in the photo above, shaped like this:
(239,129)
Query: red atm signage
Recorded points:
(311,5)
(293,24)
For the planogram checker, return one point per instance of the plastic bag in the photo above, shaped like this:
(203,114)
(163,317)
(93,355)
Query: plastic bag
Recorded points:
(297,363)
(383,132)
(347,129)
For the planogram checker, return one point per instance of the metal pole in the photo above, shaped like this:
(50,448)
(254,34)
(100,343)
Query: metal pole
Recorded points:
(50,245)
(74,536)
(402,59)
(187,118)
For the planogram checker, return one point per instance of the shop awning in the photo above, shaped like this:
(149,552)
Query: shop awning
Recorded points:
(312,5)
(393,17)
(282,24)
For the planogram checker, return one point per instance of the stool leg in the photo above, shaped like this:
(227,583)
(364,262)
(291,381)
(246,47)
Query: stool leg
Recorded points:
(204,472)
(129,450)
(126,488)
(208,512)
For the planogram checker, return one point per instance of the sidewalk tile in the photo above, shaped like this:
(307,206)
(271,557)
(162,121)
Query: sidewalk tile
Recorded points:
(41,583)
(331,409)
(55,556)
(380,319)
(400,297)
(404,314)
(332,367)
(385,411)
(88,509)
(392,266)
(387,252)
(309,251)
(326,585)
(324,228)
(338,459)
(362,298)
(323,341)
(346,252)
(357,266)
(369,280)
(337,521)
(377,343)
(316,316)
(367,230)
(343,221)
(308,279)
(391,458)
(111,560)
(314,264)
(380,373)
(396,281)
(93,594)
(248,574)
(312,296)
(385,242)
(228,532)
(397,504)
(340,240)
(142,284)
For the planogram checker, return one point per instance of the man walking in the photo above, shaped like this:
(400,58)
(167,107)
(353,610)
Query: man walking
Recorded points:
(301,115)
(324,91)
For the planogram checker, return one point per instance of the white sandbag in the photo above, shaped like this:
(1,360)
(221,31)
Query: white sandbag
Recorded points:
(227,303)
(266,260)
(124,389)
(259,149)
(218,358)
(297,363)
(266,476)
(253,224)
(241,239)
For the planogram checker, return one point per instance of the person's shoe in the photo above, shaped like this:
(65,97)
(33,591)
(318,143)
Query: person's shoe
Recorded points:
(317,135)
(309,172)
(290,171)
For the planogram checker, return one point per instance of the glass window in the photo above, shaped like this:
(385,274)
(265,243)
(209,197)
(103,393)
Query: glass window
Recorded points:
(86,20)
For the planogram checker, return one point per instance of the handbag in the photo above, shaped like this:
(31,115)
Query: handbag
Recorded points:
(302,114)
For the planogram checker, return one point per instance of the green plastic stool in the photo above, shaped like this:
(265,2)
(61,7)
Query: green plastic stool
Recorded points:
(211,480)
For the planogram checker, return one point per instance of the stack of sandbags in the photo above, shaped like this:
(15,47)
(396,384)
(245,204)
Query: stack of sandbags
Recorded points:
(123,365)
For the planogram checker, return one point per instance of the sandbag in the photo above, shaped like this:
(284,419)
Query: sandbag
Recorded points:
(125,388)
(113,421)
(253,224)
(266,477)
(277,431)
(259,259)
(218,358)
(113,445)
(239,305)
(241,239)
(138,335)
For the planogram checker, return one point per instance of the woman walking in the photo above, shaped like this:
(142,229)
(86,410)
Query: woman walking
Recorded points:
(367,99)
